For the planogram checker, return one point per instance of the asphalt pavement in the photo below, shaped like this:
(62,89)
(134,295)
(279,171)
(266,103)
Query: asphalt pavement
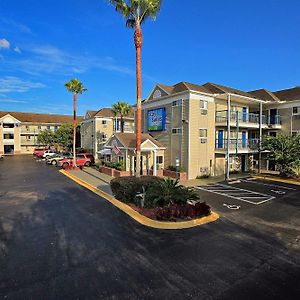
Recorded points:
(61,241)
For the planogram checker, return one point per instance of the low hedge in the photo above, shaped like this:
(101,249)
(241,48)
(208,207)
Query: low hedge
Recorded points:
(126,188)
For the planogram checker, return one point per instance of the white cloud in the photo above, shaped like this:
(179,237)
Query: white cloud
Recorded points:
(17,49)
(14,84)
(4,43)
(11,25)
(12,101)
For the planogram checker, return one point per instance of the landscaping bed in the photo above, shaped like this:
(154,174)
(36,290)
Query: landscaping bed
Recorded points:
(159,199)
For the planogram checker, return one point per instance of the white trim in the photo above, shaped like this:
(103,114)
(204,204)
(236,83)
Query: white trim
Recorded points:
(9,115)
(156,147)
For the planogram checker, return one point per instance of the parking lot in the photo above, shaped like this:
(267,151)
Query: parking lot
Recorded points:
(248,193)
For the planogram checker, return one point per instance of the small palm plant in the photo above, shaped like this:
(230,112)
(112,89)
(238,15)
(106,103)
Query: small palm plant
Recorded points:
(122,109)
(75,86)
(135,13)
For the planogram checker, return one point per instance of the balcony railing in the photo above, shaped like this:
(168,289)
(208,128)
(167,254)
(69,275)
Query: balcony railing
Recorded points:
(239,144)
(251,118)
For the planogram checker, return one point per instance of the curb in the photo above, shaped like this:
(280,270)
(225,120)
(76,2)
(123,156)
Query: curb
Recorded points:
(137,216)
(270,178)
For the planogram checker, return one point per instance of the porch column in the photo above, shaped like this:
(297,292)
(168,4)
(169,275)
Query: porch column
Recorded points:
(154,163)
(132,165)
(228,138)
(260,137)
(126,154)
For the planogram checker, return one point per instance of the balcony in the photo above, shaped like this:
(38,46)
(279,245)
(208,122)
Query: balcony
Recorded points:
(247,120)
(237,145)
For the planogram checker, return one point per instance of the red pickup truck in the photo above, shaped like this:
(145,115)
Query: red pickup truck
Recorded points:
(82,159)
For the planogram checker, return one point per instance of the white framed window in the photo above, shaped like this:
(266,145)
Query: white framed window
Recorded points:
(176,130)
(203,135)
(296,110)
(203,107)
(159,159)
(177,103)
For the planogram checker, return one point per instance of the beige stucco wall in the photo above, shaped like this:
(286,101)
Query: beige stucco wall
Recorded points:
(201,154)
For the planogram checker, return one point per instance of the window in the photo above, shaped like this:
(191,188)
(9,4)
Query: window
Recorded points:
(203,104)
(39,127)
(104,122)
(8,125)
(159,159)
(48,127)
(203,135)
(55,128)
(296,110)
(28,137)
(176,131)
(177,103)
(203,107)
(8,136)
(27,127)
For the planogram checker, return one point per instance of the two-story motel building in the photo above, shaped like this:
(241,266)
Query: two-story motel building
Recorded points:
(19,131)
(190,121)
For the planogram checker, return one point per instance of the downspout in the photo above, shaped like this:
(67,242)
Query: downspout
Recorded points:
(228,137)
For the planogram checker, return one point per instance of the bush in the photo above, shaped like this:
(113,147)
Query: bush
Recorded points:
(174,169)
(115,165)
(127,188)
(169,192)
(179,211)
(203,176)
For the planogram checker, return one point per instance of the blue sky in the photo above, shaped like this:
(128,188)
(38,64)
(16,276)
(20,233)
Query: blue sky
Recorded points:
(43,44)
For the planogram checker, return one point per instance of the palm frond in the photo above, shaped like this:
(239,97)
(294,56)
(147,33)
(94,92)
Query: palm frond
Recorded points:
(75,86)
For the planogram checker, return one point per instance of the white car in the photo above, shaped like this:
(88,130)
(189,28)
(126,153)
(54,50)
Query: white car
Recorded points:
(49,153)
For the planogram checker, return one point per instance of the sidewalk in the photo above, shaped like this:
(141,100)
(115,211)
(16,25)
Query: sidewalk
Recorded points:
(102,181)
(95,178)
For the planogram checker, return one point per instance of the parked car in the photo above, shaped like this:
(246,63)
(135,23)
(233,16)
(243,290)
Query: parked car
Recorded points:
(53,160)
(48,153)
(39,152)
(82,159)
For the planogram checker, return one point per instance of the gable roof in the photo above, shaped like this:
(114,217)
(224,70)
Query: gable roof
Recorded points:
(289,94)
(129,141)
(40,118)
(106,112)
(265,95)
(90,113)
(221,89)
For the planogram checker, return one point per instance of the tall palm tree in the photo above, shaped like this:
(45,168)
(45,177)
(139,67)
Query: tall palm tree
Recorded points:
(75,86)
(121,109)
(135,13)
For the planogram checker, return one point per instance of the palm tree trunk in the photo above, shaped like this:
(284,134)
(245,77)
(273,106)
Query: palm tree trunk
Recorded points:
(138,40)
(74,130)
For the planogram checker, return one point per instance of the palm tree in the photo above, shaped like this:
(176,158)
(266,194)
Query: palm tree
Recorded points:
(136,12)
(122,109)
(75,86)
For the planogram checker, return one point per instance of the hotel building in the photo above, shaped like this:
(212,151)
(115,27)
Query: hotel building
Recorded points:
(19,131)
(98,126)
(191,122)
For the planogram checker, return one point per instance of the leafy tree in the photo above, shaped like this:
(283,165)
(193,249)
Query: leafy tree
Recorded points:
(121,109)
(75,86)
(64,135)
(135,13)
(46,138)
(285,151)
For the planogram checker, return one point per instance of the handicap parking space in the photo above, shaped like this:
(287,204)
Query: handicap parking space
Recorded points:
(245,193)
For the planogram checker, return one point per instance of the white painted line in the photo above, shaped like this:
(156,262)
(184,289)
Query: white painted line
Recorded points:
(231,193)
(273,185)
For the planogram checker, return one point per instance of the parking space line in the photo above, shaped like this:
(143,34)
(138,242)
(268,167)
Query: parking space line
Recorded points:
(237,193)
(268,184)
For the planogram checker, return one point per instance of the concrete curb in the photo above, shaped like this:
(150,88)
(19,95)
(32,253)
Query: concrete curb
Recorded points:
(271,178)
(137,216)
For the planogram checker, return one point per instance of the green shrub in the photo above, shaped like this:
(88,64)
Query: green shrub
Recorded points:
(174,169)
(169,192)
(203,176)
(127,188)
